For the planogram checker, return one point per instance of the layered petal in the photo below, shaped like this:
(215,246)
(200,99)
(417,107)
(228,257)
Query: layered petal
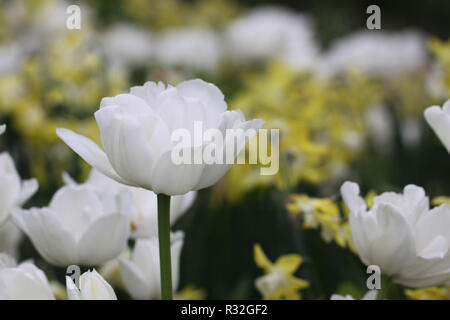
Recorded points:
(48,235)
(90,152)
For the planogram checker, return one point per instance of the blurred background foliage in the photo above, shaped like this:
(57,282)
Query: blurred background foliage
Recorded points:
(350,125)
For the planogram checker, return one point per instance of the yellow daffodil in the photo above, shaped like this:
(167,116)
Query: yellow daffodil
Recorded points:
(279,281)
(323,213)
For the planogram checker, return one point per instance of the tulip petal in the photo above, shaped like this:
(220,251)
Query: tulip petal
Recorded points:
(53,242)
(175,179)
(350,194)
(134,280)
(104,240)
(203,91)
(7,196)
(90,152)
(29,188)
(127,140)
(72,291)
(395,244)
(94,287)
(214,172)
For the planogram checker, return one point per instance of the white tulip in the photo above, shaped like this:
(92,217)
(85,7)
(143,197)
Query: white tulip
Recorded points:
(144,204)
(370,295)
(126,45)
(376,53)
(141,273)
(76,228)
(273,32)
(92,287)
(24,282)
(400,234)
(13,192)
(136,132)
(195,49)
(2,128)
(439,120)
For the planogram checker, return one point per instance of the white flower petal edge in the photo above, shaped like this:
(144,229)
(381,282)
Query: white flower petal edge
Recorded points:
(401,235)
(141,273)
(89,151)
(369,295)
(24,282)
(92,287)
(136,130)
(439,120)
(2,128)
(13,191)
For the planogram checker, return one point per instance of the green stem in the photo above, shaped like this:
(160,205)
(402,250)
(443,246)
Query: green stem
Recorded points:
(164,246)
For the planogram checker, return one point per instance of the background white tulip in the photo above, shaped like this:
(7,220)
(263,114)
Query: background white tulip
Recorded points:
(439,120)
(273,32)
(141,273)
(401,235)
(76,228)
(376,53)
(136,133)
(2,128)
(13,191)
(197,49)
(25,282)
(92,287)
(143,207)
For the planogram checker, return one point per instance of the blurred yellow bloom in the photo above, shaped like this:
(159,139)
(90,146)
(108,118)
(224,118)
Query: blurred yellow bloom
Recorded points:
(440,200)
(175,13)
(58,290)
(320,213)
(321,123)
(279,281)
(431,293)
(441,50)
(190,292)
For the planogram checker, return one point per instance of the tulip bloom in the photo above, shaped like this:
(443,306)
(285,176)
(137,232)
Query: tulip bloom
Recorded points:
(92,287)
(439,120)
(76,228)
(24,282)
(141,273)
(400,234)
(13,192)
(136,133)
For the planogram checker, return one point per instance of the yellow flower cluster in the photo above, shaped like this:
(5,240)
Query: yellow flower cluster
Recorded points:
(59,86)
(431,293)
(324,214)
(441,51)
(279,281)
(176,13)
(320,124)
